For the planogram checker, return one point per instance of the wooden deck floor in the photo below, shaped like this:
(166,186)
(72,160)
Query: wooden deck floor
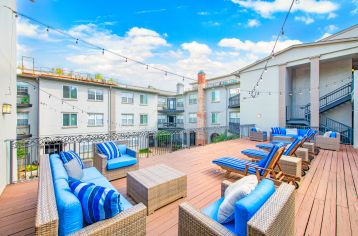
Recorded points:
(326,202)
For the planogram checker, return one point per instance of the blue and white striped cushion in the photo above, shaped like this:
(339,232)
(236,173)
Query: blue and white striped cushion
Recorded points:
(98,203)
(68,156)
(276,130)
(109,149)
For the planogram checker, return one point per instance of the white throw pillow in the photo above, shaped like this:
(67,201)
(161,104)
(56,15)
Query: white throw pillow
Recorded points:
(74,169)
(327,134)
(234,193)
(291,131)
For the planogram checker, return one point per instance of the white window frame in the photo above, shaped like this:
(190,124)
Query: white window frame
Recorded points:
(25,120)
(193,119)
(98,119)
(70,123)
(162,119)
(70,89)
(180,119)
(218,118)
(124,119)
(217,96)
(127,98)
(141,99)
(140,119)
(232,94)
(193,101)
(97,94)
(234,119)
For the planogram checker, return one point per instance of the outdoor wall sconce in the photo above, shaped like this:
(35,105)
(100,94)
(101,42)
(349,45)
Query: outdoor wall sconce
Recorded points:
(6,108)
(259,115)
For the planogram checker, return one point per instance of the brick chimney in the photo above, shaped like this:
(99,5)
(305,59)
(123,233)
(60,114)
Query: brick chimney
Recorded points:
(201,137)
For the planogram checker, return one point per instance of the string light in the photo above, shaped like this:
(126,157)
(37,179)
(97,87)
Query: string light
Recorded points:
(94,46)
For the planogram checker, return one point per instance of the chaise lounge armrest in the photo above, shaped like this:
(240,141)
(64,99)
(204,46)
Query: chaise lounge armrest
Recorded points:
(129,222)
(193,222)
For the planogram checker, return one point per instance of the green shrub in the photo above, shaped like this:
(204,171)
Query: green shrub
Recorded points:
(224,137)
(145,151)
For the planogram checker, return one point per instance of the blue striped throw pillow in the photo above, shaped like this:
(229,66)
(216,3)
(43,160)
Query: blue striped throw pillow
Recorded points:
(98,203)
(68,156)
(109,149)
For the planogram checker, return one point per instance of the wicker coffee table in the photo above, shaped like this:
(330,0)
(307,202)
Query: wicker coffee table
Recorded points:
(156,186)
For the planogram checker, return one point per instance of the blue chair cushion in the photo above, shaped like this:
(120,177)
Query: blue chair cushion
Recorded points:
(333,135)
(98,203)
(236,164)
(254,153)
(123,161)
(69,155)
(212,212)
(90,173)
(58,170)
(246,207)
(122,149)
(69,208)
(109,149)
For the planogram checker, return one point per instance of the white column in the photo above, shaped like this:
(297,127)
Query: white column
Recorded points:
(282,95)
(355,113)
(314,89)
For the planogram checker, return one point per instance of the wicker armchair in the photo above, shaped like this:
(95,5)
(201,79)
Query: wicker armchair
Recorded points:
(260,136)
(275,217)
(100,162)
(328,143)
(129,222)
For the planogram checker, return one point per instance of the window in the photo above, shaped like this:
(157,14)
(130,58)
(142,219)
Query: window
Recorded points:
(192,117)
(180,120)
(127,119)
(215,118)
(180,102)
(95,119)
(143,99)
(69,92)
(22,87)
(127,98)
(234,92)
(215,96)
(143,119)
(22,119)
(192,99)
(234,117)
(162,102)
(69,120)
(95,95)
(162,119)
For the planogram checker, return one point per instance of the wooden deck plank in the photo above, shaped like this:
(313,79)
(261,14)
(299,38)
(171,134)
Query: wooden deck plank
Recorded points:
(326,203)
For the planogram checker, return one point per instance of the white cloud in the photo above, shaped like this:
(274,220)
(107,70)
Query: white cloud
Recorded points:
(22,49)
(26,29)
(151,11)
(197,50)
(260,47)
(355,10)
(331,28)
(325,35)
(253,23)
(331,15)
(305,19)
(267,8)
(203,13)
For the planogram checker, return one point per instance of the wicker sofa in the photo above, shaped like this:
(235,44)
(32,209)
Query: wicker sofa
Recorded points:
(131,221)
(101,163)
(258,135)
(330,143)
(275,217)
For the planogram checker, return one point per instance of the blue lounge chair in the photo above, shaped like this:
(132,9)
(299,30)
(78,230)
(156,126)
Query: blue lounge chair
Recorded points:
(265,168)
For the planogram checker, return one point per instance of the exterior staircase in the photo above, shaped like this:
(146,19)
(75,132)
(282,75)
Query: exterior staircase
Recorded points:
(327,102)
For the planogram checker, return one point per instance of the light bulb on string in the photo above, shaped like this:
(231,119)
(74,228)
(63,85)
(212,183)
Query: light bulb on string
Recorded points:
(147,67)
(103,51)
(47,29)
(76,41)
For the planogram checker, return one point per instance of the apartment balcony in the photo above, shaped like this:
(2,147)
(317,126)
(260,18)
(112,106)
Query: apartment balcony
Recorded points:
(23,132)
(234,127)
(234,101)
(170,125)
(23,100)
(172,110)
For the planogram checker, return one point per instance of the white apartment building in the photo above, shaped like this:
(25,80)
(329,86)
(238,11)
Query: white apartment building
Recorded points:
(308,84)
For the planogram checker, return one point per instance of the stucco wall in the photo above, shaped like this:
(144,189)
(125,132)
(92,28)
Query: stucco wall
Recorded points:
(51,109)
(8,85)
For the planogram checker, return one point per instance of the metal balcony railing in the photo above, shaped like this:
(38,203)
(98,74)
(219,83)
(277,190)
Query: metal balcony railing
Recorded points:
(171,125)
(23,132)
(234,101)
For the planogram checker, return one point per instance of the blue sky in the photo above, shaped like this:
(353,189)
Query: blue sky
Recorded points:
(218,36)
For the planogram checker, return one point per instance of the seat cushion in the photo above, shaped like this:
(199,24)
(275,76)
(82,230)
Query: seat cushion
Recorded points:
(109,149)
(70,155)
(58,170)
(122,149)
(254,153)
(212,212)
(120,162)
(236,164)
(248,206)
(90,173)
(74,169)
(102,181)
(68,207)
(234,193)
(333,135)
(98,203)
